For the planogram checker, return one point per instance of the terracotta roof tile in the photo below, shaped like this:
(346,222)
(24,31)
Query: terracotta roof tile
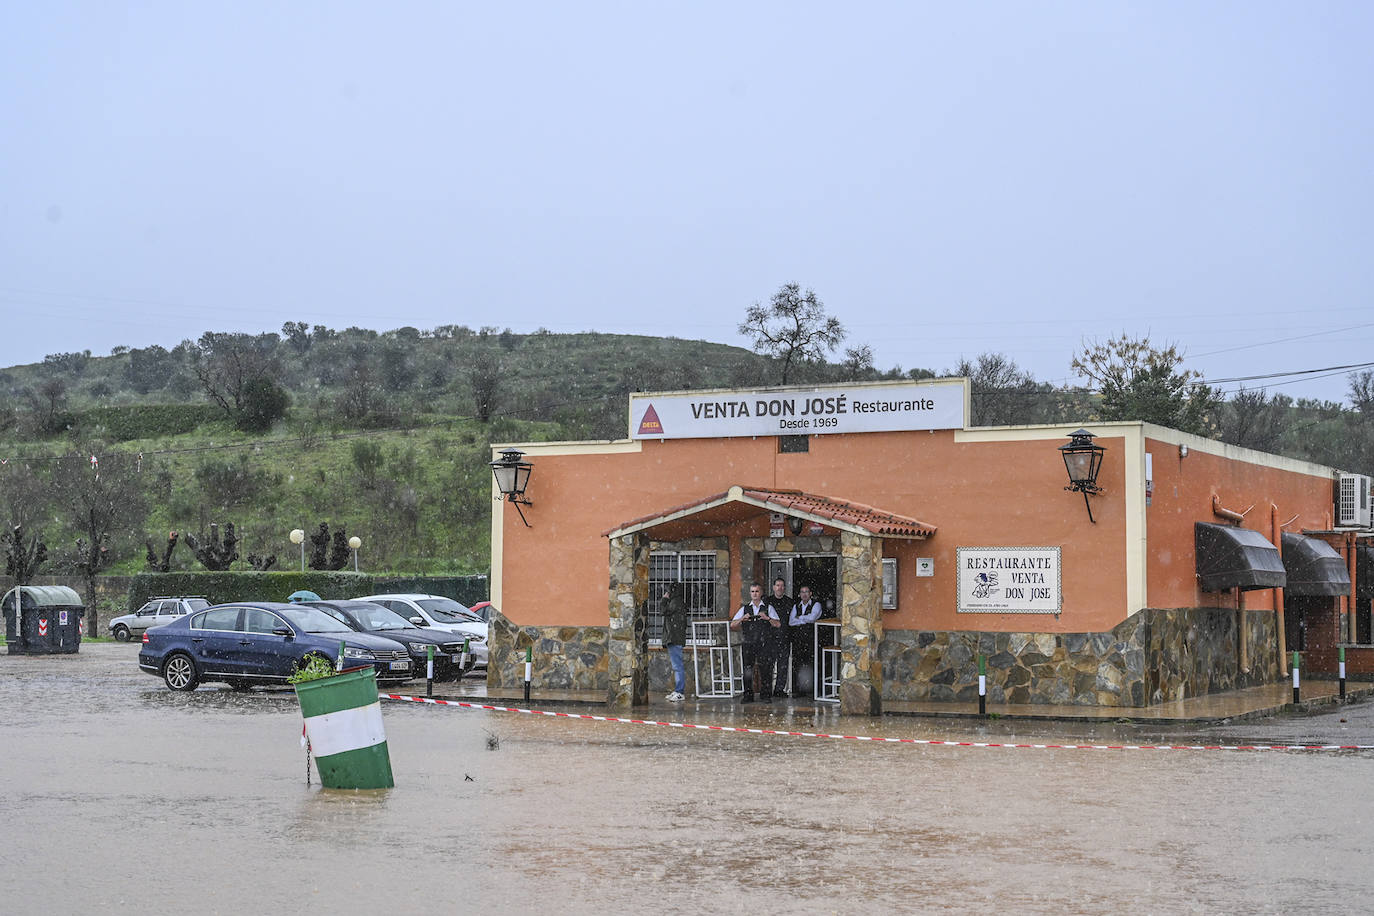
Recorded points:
(838,511)
(883,524)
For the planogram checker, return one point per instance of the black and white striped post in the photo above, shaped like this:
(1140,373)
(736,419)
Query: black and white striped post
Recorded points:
(529,666)
(1342,672)
(429,670)
(982,685)
(463,659)
(1296,680)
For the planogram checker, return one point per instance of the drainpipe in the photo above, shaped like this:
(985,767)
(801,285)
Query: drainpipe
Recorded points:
(1240,632)
(1349,599)
(1277,537)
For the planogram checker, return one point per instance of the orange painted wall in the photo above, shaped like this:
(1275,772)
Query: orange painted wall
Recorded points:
(1183,492)
(1006,493)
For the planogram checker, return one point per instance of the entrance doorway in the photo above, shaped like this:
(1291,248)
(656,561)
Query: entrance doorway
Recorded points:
(820,572)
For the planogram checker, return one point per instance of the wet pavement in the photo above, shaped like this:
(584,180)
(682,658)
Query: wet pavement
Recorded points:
(120,795)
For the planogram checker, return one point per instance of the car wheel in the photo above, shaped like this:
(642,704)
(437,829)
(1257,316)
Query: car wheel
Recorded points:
(121,633)
(179,672)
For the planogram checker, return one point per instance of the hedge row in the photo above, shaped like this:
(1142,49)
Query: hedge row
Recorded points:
(219,587)
(146,421)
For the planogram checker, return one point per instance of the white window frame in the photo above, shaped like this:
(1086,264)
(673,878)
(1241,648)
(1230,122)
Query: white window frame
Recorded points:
(889,583)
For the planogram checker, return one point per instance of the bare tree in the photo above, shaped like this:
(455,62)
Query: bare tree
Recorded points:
(485,380)
(213,552)
(1252,419)
(858,363)
(163,564)
(48,406)
(102,497)
(1362,392)
(1001,393)
(792,328)
(26,493)
(23,555)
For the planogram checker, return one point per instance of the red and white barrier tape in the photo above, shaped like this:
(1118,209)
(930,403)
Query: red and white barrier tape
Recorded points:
(880,740)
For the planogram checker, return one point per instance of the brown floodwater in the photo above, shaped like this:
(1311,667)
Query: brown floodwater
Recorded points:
(122,795)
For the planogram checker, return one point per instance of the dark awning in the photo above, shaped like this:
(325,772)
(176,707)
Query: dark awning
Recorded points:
(1364,571)
(1314,567)
(1235,558)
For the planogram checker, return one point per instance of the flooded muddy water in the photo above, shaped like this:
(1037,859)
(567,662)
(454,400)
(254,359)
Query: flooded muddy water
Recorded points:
(121,795)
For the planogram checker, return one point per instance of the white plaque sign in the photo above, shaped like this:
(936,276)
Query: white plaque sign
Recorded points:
(1009,580)
(794,411)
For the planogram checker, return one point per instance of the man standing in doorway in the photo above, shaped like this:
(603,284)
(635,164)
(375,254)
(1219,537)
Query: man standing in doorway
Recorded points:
(802,629)
(780,643)
(755,621)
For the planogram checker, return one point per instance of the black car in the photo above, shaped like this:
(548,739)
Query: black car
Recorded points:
(367,617)
(261,643)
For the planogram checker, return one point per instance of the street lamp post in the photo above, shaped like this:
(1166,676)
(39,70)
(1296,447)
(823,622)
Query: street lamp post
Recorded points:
(355,542)
(298,537)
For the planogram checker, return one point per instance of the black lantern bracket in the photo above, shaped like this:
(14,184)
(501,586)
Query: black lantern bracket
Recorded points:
(1083,461)
(512,475)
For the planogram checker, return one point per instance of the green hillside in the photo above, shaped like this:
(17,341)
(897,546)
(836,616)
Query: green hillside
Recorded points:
(388,434)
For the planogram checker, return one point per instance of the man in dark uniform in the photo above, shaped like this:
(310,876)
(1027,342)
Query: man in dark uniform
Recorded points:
(755,620)
(780,643)
(802,619)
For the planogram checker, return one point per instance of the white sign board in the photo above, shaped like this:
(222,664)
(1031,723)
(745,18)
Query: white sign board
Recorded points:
(1009,580)
(792,412)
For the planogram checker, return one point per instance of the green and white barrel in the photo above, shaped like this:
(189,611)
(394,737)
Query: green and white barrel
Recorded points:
(343,720)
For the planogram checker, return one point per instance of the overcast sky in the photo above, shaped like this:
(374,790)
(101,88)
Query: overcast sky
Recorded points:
(949,178)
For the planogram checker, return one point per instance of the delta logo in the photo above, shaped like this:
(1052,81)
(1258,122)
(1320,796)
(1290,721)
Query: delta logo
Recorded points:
(649,425)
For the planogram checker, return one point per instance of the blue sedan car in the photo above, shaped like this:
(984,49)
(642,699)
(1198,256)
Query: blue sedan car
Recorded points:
(260,643)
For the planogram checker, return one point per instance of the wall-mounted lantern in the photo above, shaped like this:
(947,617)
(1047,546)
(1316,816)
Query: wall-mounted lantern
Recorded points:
(795,523)
(1083,459)
(512,476)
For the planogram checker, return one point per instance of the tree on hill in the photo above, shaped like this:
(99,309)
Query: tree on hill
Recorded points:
(149,368)
(238,373)
(793,328)
(1138,381)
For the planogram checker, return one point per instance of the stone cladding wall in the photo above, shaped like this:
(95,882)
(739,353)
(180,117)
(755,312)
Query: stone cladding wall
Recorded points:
(571,658)
(861,632)
(1156,655)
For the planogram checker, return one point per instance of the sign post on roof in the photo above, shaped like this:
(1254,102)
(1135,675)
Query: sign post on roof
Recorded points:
(823,409)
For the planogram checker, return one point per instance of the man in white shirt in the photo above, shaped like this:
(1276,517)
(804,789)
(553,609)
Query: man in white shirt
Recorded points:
(802,622)
(754,620)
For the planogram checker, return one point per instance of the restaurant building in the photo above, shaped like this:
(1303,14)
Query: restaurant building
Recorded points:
(1122,565)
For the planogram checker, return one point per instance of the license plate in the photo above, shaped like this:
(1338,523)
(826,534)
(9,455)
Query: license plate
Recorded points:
(400,666)
(458,658)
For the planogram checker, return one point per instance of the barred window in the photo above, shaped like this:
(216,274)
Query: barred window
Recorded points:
(697,571)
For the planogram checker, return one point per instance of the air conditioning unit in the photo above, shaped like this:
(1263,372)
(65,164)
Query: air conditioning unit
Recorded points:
(1352,501)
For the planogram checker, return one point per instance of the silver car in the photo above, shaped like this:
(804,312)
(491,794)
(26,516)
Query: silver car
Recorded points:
(442,614)
(159,610)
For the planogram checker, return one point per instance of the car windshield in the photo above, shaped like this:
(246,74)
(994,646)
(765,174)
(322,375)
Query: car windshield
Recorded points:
(314,620)
(447,610)
(197,604)
(376,617)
